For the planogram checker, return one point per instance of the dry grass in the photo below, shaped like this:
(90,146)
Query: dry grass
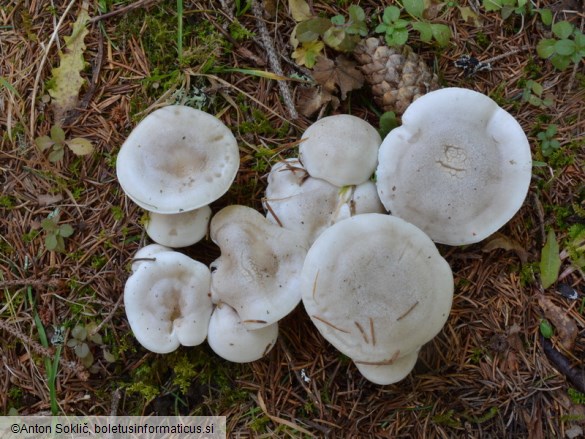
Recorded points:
(485,375)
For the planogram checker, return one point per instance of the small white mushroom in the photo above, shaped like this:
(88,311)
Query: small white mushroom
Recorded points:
(178,229)
(340,149)
(177,159)
(459,167)
(230,339)
(258,272)
(168,302)
(377,288)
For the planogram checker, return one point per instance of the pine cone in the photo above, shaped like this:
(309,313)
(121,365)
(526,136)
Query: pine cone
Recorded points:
(397,76)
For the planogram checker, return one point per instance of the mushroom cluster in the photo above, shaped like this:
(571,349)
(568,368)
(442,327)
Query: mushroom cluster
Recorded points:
(358,251)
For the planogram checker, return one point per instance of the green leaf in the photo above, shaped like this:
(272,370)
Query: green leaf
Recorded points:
(333,37)
(66,78)
(550,262)
(311,30)
(307,53)
(57,134)
(65,230)
(381,28)
(506,11)
(492,5)
(536,88)
(391,14)
(79,333)
(560,62)
(416,8)
(338,20)
(109,357)
(356,13)
(299,9)
(551,130)
(546,48)
(424,29)
(563,29)
(51,242)
(387,123)
(398,38)
(546,16)
(565,47)
(49,225)
(546,329)
(80,146)
(56,154)
(442,33)
(401,24)
(44,142)
(81,350)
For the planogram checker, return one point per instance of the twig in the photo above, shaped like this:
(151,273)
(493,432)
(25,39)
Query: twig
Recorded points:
(130,7)
(108,317)
(32,282)
(40,68)
(273,59)
(575,375)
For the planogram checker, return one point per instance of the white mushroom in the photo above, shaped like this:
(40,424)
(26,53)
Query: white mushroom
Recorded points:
(340,149)
(459,167)
(258,272)
(178,229)
(168,302)
(230,339)
(177,159)
(355,200)
(377,288)
(147,254)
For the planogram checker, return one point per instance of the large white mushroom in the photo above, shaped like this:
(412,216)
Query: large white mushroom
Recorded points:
(167,300)
(340,149)
(258,272)
(377,288)
(459,167)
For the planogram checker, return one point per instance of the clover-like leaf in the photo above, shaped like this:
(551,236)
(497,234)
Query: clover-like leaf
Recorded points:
(44,142)
(338,20)
(65,230)
(79,333)
(546,48)
(81,350)
(565,47)
(424,29)
(563,29)
(391,14)
(416,8)
(51,243)
(57,134)
(312,29)
(80,146)
(306,54)
(333,37)
(56,154)
(560,62)
(442,33)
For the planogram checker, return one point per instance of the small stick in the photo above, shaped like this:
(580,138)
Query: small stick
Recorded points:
(329,324)
(362,331)
(372,332)
(407,311)
(130,7)
(315,284)
(269,208)
(381,363)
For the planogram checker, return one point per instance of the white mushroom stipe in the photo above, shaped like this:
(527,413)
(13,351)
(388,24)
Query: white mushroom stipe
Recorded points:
(168,303)
(177,159)
(230,339)
(377,288)
(459,167)
(340,149)
(178,229)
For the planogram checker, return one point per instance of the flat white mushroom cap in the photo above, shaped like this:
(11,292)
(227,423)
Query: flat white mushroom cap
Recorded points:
(147,254)
(341,149)
(177,159)
(376,288)
(459,167)
(258,272)
(178,229)
(299,202)
(168,302)
(230,339)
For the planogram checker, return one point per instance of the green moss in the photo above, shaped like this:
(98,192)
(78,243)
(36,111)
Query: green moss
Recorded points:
(7,201)
(239,32)
(117,213)
(482,40)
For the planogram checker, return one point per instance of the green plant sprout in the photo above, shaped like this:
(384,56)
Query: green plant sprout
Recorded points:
(568,46)
(56,142)
(396,29)
(548,144)
(82,337)
(533,94)
(55,233)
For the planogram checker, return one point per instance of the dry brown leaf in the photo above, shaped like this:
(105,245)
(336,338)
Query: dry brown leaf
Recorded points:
(341,74)
(565,326)
(500,241)
(311,100)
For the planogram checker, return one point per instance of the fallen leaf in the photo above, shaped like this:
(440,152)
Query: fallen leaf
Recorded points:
(550,261)
(311,100)
(307,53)
(565,325)
(66,78)
(340,74)
(500,241)
(80,146)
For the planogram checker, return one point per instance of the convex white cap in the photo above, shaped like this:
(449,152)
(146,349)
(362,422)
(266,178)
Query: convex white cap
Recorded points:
(177,159)
(377,288)
(230,339)
(258,272)
(459,167)
(167,300)
(340,149)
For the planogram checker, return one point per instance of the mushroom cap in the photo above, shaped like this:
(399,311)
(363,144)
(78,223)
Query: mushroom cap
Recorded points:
(355,200)
(459,167)
(168,303)
(376,288)
(177,159)
(299,202)
(230,339)
(340,149)
(147,254)
(258,272)
(178,229)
